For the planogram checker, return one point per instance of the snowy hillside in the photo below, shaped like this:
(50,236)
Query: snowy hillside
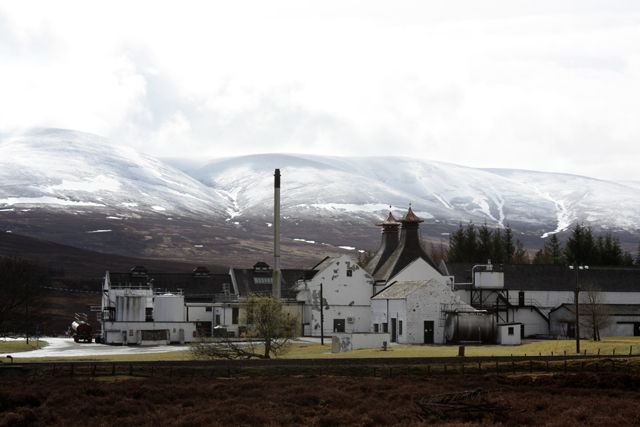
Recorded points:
(58,169)
(314,186)
(71,172)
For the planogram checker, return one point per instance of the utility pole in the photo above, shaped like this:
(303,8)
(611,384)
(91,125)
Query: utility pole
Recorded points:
(577,268)
(321,316)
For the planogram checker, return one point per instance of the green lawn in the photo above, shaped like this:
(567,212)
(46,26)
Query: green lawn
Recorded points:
(17,346)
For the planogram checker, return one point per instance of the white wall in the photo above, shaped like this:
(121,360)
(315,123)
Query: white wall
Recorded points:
(534,323)
(114,331)
(348,342)
(418,269)
(344,297)
(503,334)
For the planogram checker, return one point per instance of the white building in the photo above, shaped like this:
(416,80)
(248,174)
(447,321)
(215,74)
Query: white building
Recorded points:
(133,314)
(346,289)
(415,312)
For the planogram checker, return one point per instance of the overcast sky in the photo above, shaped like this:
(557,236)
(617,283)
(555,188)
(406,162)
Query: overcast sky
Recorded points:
(544,85)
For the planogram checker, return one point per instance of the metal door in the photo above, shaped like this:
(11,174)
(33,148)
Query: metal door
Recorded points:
(428,331)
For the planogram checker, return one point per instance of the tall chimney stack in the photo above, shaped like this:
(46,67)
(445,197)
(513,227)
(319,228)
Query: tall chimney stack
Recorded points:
(276,236)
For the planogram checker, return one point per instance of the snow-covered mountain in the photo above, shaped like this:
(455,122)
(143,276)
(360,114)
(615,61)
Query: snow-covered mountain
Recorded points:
(56,168)
(50,175)
(364,187)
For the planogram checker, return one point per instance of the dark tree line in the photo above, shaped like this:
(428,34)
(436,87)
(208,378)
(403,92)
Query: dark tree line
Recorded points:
(472,244)
(478,244)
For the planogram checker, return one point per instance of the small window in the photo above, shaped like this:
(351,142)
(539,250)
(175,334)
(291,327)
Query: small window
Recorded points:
(400,327)
(510,330)
(349,273)
(376,328)
(208,309)
(385,327)
(234,315)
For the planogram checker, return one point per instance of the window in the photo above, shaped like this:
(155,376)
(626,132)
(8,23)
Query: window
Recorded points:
(510,330)
(234,315)
(400,327)
(217,319)
(148,314)
(207,309)
(349,273)
(376,328)
(385,327)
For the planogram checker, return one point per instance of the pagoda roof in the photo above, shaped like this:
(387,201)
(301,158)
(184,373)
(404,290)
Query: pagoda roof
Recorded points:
(391,220)
(411,217)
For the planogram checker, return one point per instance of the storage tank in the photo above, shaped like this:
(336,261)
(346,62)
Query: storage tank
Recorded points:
(82,331)
(130,308)
(470,327)
(168,308)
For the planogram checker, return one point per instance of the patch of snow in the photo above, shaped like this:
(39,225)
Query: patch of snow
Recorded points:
(198,246)
(129,204)
(91,185)
(158,208)
(304,240)
(236,223)
(269,224)
(114,217)
(44,200)
(348,248)
(99,231)
(7,210)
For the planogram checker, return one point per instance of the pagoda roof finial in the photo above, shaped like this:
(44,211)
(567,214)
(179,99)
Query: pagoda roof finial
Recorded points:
(411,217)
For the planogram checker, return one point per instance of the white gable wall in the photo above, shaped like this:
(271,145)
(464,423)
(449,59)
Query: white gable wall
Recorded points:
(345,297)
(418,269)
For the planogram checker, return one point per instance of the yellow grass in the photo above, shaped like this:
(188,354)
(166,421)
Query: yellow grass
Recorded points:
(621,345)
(18,346)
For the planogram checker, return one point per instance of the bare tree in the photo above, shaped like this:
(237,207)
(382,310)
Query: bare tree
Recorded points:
(269,330)
(594,313)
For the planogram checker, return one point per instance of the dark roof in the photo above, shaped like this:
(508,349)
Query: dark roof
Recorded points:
(408,250)
(390,221)
(196,286)
(612,309)
(411,217)
(251,281)
(541,277)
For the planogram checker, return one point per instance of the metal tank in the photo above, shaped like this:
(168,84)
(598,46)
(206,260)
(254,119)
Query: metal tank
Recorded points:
(168,308)
(130,308)
(477,327)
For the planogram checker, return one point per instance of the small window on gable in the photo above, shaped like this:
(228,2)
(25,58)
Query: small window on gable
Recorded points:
(510,330)
(349,273)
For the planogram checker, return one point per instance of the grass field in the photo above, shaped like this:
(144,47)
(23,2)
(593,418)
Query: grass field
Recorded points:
(621,345)
(18,346)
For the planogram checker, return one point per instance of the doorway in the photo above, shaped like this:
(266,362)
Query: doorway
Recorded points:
(428,331)
(394,336)
(338,325)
